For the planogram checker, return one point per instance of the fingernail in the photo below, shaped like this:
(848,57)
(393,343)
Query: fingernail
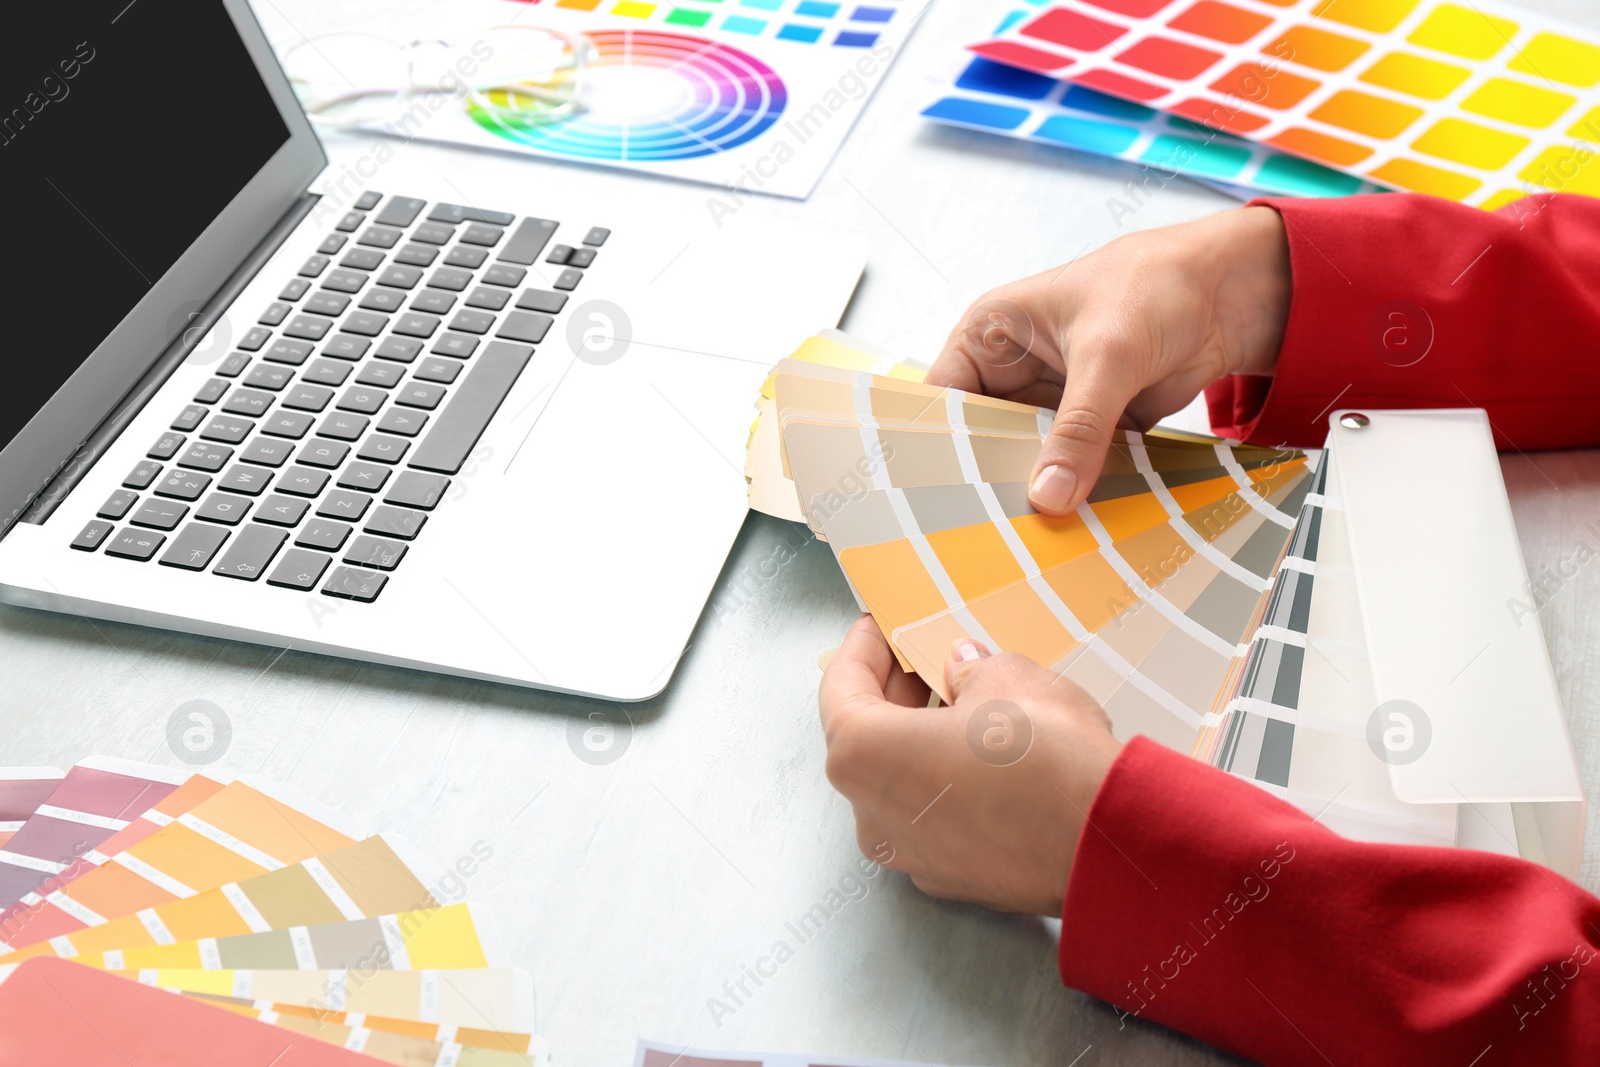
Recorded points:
(967,650)
(1054,488)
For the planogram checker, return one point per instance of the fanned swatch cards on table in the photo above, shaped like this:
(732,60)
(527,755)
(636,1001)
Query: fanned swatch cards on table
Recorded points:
(1479,102)
(238,899)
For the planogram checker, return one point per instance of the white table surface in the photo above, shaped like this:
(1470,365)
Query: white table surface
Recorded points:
(633,891)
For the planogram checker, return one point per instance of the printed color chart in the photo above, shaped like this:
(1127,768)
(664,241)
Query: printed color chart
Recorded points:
(1477,102)
(821,22)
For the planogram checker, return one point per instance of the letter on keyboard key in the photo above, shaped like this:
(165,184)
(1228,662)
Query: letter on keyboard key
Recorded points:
(302,481)
(323,452)
(457,428)
(281,510)
(135,544)
(220,507)
(395,522)
(267,451)
(251,551)
(349,583)
(193,549)
(368,476)
(375,552)
(339,504)
(299,569)
(415,489)
(251,481)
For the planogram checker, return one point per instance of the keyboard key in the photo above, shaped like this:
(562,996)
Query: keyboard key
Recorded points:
(339,504)
(310,327)
(183,485)
(362,399)
(416,324)
(382,448)
(416,255)
(281,510)
(269,376)
(305,397)
(558,255)
(481,235)
(415,489)
(485,297)
(381,299)
(250,552)
(437,370)
(466,256)
(351,222)
(528,326)
(348,345)
(382,375)
(302,481)
(117,504)
(433,301)
(581,257)
(450,278)
(323,452)
(458,345)
(314,265)
(344,427)
(251,402)
(502,275)
(596,236)
(332,243)
(230,367)
(251,481)
(568,280)
(457,428)
(267,451)
(159,514)
(362,259)
(189,418)
(324,302)
(400,211)
(166,445)
(347,583)
(395,522)
(405,421)
(205,456)
(299,569)
(135,544)
(228,430)
(284,350)
(194,548)
(453,213)
(142,475)
(398,349)
(527,241)
(294,290)
(433,233)
(542,300)
(323,533)
(91,535)
(379,237)
(290,424)
(254,338)
(344,281)
(212,391)
(275,313)
(400,277)
(468,321)
(420,395)
(375,552)
(220,507)
(368,200)
(326,372)
(368,476)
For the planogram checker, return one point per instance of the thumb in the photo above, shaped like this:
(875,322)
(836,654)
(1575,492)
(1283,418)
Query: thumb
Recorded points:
(1074,451)
(965,655)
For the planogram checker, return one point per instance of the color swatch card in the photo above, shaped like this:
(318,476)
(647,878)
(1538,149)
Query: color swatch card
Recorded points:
(1481,102)
(755,96)
(22,790)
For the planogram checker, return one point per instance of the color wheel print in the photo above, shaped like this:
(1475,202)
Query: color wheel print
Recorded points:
(657,96)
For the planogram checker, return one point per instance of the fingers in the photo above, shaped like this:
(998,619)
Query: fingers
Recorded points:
(1092,403)
(859,673)
(965,655)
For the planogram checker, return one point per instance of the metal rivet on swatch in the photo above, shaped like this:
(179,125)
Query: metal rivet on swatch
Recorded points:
(1353,421)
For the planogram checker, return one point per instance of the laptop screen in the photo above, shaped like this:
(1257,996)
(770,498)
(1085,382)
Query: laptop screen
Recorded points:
(125,129)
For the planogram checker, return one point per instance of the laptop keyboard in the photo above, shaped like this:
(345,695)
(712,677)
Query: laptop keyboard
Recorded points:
(315,456)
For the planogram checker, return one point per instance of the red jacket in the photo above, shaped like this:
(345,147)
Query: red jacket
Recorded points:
(1203,903)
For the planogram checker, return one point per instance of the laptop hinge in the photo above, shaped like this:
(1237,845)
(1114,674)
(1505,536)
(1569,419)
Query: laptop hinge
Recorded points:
(85,455)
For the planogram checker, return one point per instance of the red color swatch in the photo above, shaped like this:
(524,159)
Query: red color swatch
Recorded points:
(1072,30)
(1118,85)
(1170,59)
(1220,22)
(1019,55)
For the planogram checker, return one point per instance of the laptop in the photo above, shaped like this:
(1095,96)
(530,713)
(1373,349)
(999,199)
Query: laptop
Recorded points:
(487,423)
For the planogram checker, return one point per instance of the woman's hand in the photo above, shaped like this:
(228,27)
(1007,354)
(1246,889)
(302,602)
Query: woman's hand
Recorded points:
(980,801)
(1125,335)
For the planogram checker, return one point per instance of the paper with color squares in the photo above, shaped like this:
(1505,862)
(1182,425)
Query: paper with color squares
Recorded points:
(754,96)
(22,790)
(1144,596)
(1477,102)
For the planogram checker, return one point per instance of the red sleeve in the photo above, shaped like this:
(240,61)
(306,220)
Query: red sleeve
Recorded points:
(1402,300)
(1203,903)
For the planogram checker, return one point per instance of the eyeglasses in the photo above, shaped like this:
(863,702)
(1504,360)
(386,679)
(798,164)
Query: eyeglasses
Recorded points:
(527,74)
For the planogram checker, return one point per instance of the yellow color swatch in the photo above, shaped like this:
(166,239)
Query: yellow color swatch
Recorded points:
(1588,127)
(1415,76)
(633,9)
(976,559)
(1421,178)
(1379,16)
(1364,113)
(1558,58)
(1466,142)
(892,579)
(1525,105)
(1317,49)
(1053,541)
(1464,32)
(1566,169)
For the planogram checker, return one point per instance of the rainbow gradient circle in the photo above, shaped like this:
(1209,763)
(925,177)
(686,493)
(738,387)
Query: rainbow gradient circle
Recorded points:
(656,96)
